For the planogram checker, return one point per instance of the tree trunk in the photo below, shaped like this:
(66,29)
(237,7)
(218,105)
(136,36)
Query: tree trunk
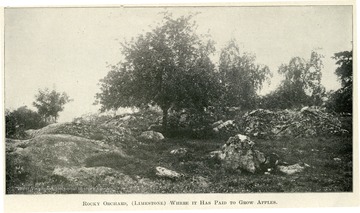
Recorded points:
(165,117)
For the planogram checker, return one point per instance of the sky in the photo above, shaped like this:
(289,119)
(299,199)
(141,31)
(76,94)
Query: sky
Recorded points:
(69,49)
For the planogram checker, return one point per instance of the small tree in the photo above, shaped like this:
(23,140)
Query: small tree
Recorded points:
(241,77)
(301,86)
(50,103)
(168,67)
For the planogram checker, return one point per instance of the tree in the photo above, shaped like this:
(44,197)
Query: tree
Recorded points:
(50,103)
(21,119)
(341,100)
(301,86)
(241,77)
(168,67)
(344,70)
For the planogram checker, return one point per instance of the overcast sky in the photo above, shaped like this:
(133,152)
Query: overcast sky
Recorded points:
(69,48)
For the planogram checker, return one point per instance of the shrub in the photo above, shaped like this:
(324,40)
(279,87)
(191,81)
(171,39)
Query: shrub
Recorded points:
(20,120)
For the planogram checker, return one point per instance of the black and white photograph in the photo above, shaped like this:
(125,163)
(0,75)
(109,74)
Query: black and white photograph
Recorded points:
(179,99)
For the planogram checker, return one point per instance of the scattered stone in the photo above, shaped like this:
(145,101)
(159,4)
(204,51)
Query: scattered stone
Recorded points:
(224,125)
(217,154)
(239,154)
(167,173)
(337,159)
(126,118)
(292,169)
(155,127)
(151,135)
(180,151)
(200,181)
(217,123)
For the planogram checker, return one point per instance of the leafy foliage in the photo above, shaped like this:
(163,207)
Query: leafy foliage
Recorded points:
(341,100)
(301,86)
(168,66)
(344,71)
(50,103)
(20,120)
(241,77)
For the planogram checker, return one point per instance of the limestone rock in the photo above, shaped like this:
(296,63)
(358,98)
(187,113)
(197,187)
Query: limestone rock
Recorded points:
(200,181)
(307,122)
(292,169)
(53,150)
(224,125)
(180,151)
(151,135)
(103,132)
(217,123)
(239,154)
(167,173)
(217,154)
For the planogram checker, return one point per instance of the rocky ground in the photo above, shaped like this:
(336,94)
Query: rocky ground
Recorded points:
(121,155)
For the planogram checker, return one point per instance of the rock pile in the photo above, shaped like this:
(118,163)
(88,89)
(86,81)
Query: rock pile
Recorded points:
(309,121)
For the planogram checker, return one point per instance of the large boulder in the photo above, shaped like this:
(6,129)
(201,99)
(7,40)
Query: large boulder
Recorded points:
(152,136)
(51,151)
(239,153)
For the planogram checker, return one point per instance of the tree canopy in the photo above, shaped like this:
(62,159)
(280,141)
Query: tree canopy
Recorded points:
(241,76)
(21,119)
(344,70)
(341,100)
(168,67)
(301,85)
(50,103)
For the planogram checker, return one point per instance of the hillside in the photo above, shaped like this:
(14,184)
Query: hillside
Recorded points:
(120,155)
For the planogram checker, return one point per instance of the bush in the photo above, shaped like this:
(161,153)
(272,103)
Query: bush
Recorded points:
(20,120)
(191,123)
(341,100)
